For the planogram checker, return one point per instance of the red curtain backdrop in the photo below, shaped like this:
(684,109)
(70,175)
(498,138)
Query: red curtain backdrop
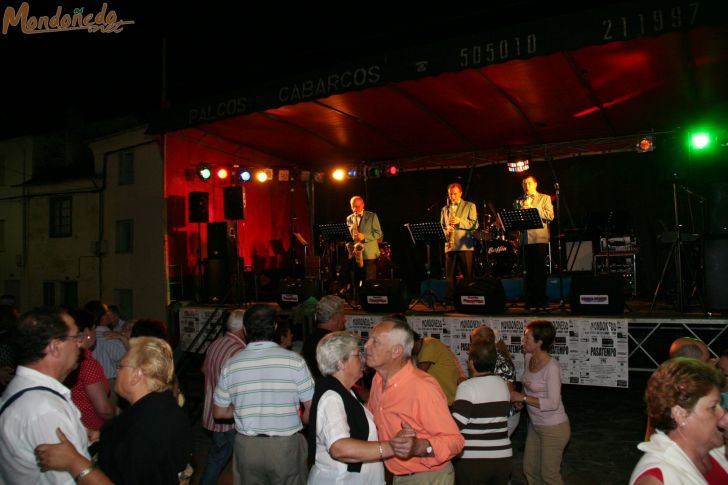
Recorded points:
(273,210)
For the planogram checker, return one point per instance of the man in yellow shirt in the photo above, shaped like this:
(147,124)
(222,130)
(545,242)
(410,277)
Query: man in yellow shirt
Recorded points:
(436,358)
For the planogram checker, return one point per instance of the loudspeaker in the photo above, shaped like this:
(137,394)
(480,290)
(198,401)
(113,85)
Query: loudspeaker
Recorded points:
(198,206)
(484,296)
(716,274)
(384,296)
(216,279)
(221,241)
(597,295)
(294,291)
(233,203)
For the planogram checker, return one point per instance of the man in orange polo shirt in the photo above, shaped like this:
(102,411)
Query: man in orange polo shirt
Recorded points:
(404,397)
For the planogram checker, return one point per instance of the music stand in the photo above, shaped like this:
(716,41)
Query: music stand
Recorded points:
(521,219)
(426,232)
(334,233)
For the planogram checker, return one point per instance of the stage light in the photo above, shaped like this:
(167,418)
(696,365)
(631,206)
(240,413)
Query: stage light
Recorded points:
(353,172)
(243,175)
(518,166)
(261,176)
(392,170)
(204,172)
(222,173)
(646,144)
(373,172)
(338,174)
(305,175)
(284,175)
(700,141)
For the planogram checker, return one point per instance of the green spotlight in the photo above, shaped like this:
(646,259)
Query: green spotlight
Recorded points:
(700,141)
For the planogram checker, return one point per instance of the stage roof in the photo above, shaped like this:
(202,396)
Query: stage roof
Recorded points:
(590,82)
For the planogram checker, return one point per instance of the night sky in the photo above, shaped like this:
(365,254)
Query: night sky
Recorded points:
(51,78)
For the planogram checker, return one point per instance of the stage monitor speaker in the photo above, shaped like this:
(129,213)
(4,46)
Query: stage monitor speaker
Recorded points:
(384,296)
(483,296)
(233,203)
(716,274)
(216,279)
(198,204)
(597,295)
(294,291)
(221,241)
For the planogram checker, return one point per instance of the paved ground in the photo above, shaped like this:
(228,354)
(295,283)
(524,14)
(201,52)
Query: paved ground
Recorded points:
(606,426)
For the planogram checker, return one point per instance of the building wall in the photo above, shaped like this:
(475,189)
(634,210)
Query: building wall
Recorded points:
(16,157)
(135,280)
(55,263)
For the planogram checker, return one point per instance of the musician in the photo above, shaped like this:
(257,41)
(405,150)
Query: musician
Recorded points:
(459,219)
(365,229)
(535,243)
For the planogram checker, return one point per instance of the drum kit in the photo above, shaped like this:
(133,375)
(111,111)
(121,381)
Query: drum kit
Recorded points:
(496,255)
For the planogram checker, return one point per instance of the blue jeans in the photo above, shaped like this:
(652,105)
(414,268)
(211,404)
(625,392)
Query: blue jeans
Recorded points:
(220,452)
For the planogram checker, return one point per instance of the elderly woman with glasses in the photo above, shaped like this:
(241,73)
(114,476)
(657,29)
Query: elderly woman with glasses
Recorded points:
(683,403)
(341,432)
(149,442)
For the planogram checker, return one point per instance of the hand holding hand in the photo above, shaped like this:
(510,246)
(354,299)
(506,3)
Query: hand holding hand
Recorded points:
(404,442)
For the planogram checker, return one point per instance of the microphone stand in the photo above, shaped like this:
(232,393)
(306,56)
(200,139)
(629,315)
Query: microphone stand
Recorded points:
(562,302)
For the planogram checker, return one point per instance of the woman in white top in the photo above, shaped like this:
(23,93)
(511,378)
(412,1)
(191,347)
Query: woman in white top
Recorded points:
(341,432)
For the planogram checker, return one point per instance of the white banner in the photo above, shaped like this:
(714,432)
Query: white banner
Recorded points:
(590,351)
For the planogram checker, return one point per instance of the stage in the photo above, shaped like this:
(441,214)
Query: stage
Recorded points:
(595,350)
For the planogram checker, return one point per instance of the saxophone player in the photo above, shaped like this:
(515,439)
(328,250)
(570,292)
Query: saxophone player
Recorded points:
(366,232)
(459,219)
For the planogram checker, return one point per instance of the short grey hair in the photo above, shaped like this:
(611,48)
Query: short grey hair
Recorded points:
(328,307)
(402,334)
(335,347)
(235,320)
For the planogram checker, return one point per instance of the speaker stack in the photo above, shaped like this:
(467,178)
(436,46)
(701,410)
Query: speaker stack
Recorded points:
(483,296)
(294,291)
(198,205)
(384,296)
(597,295)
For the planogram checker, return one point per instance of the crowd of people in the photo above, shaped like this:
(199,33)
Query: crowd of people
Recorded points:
(396,408)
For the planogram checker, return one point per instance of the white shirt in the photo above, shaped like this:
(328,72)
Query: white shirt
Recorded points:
(331,426)
(32,420)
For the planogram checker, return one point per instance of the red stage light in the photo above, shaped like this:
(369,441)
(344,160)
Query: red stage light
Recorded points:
(392,170)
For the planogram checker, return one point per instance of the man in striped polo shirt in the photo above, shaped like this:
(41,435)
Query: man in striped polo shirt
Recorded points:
(481,408)
(262,387)
(223,433)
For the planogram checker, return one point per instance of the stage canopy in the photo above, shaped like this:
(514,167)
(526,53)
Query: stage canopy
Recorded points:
(590,82)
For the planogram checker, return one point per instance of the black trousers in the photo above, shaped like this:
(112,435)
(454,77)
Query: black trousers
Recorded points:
(368,272)
(457,262)
(535,284)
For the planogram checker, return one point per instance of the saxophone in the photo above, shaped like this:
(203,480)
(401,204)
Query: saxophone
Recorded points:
(450,231)
(358,248)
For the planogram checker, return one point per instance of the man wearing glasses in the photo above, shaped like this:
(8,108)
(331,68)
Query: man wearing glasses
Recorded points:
(35,402)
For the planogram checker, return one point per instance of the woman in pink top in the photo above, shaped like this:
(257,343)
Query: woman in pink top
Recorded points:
(548,428)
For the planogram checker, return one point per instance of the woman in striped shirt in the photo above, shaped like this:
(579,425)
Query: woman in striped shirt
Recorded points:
(481,408)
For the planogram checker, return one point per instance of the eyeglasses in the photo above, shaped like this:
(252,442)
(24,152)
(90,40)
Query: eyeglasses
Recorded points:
(120,365)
